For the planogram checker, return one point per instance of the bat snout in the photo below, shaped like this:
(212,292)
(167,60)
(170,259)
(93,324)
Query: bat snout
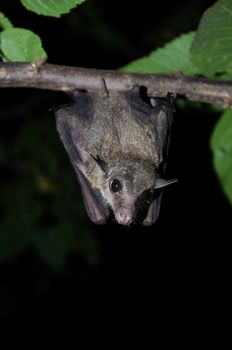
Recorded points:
(124,216)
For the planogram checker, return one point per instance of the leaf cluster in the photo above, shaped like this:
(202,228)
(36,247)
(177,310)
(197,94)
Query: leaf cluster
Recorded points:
(22,45)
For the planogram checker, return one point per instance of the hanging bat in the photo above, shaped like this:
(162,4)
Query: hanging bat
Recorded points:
(118,144)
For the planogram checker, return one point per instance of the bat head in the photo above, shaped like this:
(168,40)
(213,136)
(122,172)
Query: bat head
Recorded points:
(127,185)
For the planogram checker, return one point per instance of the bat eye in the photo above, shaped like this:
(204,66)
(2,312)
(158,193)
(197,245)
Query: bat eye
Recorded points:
(115,185)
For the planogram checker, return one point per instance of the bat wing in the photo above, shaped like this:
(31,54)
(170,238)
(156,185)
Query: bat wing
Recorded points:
(163,118)
(160,111)
(97,211)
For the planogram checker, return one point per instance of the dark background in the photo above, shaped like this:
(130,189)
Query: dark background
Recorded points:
(56,265)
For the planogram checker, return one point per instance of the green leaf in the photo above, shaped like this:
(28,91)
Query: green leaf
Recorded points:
(173,57)
(21,45)
(226,76)
(212,46)
(5,23)
(221,145)
(54,8)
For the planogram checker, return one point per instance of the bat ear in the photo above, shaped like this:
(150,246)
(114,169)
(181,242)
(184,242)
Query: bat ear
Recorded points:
(160,183)
(101,163)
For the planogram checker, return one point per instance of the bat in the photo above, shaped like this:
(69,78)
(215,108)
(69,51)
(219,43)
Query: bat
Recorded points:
(118,144)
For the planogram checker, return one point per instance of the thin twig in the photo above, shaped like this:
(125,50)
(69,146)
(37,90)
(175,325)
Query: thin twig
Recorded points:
(55,77)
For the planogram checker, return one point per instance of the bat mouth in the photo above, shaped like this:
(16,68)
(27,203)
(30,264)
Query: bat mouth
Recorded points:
(125,215)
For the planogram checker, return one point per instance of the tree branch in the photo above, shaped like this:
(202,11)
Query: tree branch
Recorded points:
(54,77)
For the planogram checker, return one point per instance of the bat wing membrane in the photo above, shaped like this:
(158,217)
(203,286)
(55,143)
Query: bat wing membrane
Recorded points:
(97,211)
(163,118)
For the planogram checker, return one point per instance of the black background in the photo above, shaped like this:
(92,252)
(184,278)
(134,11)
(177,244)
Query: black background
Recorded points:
(177,267)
